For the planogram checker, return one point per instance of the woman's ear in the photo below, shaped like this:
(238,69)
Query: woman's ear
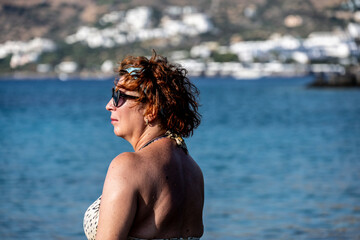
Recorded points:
(150,116)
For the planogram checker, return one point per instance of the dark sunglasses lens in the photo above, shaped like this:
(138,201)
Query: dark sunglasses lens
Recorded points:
(115,97)
(118,98)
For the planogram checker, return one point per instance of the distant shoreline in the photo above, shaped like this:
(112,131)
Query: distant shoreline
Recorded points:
(236,70)
(321,79)
(35,77)
(105,77)
(56,77)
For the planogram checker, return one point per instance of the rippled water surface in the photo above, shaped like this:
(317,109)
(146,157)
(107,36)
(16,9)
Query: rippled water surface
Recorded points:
(280,161)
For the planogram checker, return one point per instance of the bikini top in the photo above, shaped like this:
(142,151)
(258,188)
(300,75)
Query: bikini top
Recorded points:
(91,216)
(91,219)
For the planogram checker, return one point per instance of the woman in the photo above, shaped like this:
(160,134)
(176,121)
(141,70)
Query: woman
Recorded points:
(157,191)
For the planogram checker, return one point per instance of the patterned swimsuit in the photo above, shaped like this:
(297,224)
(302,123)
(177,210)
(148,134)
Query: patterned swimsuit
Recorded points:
(91,216)
(91,219)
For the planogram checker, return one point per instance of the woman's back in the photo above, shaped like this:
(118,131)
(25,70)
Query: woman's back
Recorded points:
(170,200)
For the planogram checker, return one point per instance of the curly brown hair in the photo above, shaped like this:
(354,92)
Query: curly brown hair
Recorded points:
(166,90)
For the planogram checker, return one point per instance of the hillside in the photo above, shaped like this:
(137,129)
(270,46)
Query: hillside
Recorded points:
(55,19)
(231,21)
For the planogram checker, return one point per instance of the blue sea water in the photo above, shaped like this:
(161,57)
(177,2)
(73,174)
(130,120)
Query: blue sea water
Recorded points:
(280,161)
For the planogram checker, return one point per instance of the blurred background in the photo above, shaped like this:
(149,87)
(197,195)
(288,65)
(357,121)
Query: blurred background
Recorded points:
(259,37)
(279,142)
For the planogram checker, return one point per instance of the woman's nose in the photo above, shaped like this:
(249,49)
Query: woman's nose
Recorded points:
(109,106)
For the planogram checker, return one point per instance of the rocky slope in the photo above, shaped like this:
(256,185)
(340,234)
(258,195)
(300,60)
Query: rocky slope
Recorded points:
(257,19)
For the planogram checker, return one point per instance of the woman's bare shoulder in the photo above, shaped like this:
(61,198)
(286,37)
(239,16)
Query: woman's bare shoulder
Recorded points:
(126,161)
(124,167)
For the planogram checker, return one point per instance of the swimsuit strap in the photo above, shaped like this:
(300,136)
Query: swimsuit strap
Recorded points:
(153,140)
(179,140)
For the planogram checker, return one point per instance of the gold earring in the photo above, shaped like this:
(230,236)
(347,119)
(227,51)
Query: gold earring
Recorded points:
(146,121)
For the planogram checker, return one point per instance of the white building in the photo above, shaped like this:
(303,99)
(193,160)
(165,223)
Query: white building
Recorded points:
(354,29)
(199,21)
(136,25)
(66,67)
(318,46)
(139,18)
(25,52)
(107,66)
(112,17)
(327,44)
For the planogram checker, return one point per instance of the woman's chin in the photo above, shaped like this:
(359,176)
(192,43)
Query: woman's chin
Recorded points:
(117,132)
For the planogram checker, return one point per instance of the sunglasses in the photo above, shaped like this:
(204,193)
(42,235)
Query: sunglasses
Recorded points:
(120,97)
